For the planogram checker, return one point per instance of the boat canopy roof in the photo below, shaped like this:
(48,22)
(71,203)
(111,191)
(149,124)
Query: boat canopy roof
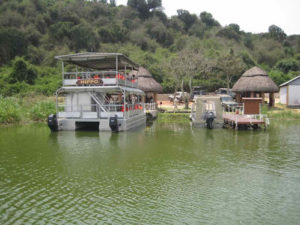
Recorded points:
(99,61)
(101,89)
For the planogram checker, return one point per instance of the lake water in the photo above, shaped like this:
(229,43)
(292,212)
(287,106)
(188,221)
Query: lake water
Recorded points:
(163,174)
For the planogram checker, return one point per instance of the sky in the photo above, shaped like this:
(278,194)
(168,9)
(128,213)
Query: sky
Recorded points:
(252,15)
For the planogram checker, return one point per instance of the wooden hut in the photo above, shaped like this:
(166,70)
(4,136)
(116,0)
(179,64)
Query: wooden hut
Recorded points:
(254,83)
(147,84)
(290,92)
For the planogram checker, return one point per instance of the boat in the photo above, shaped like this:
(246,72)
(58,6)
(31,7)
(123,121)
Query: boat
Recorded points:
(207,112)
(98,93)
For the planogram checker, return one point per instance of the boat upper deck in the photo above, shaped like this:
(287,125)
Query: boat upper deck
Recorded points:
(98,69)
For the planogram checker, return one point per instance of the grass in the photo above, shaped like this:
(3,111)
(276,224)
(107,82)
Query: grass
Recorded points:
(26,109)
(281,112)
(10,110)
(41,110)
(173,117)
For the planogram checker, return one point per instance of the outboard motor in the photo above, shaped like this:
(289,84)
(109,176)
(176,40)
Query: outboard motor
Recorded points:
(113,124)
(209,118)
(52,122)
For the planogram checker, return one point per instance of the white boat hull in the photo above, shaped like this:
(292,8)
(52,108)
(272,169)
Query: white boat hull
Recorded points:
(125,124)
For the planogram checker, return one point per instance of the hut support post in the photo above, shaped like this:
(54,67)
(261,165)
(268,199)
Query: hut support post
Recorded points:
(238,97)
(271,99)
(155,99)
(252,94)
(144,99)
(263,97)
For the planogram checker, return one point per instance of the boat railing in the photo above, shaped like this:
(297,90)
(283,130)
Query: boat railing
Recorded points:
(94,111)
(150,106)
(98,78)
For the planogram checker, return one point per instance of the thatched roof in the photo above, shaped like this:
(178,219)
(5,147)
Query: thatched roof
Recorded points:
(255,80)
(146,81)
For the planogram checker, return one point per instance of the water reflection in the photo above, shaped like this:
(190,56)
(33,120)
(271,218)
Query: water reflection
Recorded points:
(163,174)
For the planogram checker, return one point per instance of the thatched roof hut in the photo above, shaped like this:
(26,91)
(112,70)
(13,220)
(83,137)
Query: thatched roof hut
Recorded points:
(146,81)
(255,80)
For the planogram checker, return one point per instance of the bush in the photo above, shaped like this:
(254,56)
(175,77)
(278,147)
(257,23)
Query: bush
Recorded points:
(42,110)
(9,110)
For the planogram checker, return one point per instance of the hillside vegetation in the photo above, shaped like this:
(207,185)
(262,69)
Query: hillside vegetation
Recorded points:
(180,51)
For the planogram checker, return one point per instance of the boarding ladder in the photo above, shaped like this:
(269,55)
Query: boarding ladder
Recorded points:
(100,100)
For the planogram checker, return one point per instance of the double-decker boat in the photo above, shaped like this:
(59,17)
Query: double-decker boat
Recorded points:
(97,93)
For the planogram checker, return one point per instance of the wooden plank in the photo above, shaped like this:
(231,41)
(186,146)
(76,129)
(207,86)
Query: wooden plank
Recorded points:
(241,119)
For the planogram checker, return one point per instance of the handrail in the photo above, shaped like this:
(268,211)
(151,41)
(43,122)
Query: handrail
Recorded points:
(92,111)
(150,106)
(89,107)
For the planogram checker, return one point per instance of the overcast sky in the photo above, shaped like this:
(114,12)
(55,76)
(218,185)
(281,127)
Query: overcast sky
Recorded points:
(252,15)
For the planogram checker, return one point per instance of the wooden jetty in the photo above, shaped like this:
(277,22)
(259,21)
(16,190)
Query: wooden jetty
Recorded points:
(242,121)
(248,115)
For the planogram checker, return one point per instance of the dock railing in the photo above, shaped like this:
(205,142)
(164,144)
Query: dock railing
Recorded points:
(150,106)
(238,110)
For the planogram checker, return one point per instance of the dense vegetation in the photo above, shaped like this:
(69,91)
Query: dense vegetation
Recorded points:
(180,51)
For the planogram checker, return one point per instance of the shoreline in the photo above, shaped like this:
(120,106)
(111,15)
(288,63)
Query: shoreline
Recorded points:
(35,109)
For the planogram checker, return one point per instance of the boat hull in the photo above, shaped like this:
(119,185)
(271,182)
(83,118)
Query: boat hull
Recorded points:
(103,124)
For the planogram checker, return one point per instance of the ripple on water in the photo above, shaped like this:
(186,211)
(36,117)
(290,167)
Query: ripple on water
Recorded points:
(165,175)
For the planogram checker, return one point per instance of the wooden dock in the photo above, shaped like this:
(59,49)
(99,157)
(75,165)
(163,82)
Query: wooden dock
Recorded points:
(242,121)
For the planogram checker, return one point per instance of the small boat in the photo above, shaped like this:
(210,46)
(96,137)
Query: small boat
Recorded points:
(98,93)
(207,112)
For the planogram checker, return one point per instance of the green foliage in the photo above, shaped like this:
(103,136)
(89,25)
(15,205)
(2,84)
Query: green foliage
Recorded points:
(208,19)
(83,37)
(10,111)
(230,33)
(22,72)
(286,65)
(144,7)
(12,43)
(279,77)
(187,18)
(277,33)
(42,110)
(38,30)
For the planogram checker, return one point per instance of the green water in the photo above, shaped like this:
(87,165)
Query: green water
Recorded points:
(164,174)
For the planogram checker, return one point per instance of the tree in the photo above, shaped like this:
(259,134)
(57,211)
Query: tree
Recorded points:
(229,32)
(22,72)
(12,43)
(83,37)
(187,18)
(277,33)
(286,65)
(144,7)
(234,27)
(187,64)
(208,19)
(230,65)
